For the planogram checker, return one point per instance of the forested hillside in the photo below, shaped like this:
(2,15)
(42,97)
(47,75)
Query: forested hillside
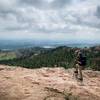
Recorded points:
(61,56)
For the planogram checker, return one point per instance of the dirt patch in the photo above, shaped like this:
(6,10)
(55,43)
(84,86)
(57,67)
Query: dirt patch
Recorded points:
(18,83)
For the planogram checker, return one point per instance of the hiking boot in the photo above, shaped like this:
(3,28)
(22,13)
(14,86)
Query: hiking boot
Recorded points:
(80,79)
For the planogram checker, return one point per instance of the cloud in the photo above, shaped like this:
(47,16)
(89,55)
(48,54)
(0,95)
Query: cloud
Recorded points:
(50,19)
(46,4)
(98,12)
(58,4)
(39,4)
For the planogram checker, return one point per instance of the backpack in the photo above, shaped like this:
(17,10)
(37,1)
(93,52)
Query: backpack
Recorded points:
(83,60)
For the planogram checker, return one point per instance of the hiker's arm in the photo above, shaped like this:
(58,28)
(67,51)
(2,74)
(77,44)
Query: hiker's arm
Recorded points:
(78,62)
(75,61)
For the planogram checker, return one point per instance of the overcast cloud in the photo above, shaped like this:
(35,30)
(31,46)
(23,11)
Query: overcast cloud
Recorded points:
(60,20)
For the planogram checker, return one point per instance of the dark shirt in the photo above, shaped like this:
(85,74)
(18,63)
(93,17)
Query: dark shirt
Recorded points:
(79,59)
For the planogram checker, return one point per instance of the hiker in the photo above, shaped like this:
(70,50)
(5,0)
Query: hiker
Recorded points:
(80,62)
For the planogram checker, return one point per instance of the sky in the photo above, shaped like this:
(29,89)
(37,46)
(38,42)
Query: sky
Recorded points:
(50,20)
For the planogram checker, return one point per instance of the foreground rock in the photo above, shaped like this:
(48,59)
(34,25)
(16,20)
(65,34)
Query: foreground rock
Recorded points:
(47,84)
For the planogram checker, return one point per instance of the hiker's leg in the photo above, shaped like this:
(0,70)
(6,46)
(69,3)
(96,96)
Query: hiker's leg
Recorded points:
(76,71)
(80,73)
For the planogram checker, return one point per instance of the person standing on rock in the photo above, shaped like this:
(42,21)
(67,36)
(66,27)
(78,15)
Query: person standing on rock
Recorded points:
(80,63)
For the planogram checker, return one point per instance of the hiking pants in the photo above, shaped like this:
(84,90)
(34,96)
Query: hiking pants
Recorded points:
(78,70)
